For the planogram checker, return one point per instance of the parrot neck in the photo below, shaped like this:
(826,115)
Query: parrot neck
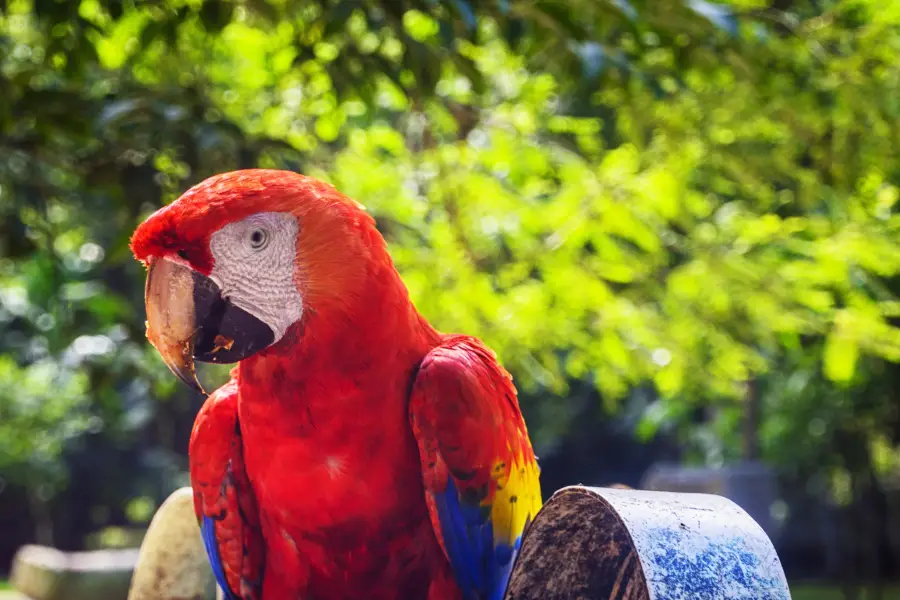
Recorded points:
(381,335)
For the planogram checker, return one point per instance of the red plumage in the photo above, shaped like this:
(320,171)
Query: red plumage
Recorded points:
(222,491)
(307,461)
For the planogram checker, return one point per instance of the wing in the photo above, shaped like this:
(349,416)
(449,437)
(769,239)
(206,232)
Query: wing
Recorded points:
(480,472)
(223,499)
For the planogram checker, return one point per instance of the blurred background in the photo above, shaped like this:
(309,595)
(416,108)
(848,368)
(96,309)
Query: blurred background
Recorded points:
(675,220)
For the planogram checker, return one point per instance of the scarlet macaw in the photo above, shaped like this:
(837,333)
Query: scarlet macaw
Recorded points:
(356,452)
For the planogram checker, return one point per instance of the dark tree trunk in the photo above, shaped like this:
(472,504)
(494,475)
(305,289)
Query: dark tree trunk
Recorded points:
(577,548)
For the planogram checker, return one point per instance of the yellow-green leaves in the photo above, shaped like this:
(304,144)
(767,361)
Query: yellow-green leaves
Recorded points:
(840,356)
(419,26)
(677,212)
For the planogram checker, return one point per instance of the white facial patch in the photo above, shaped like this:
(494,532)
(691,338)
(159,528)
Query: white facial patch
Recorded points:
(254,267)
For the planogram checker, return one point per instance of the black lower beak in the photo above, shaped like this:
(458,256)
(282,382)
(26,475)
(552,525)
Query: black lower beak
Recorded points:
(225,332)
(188,319)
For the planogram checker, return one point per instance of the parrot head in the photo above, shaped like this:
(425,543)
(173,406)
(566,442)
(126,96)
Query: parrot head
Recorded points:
(238,262)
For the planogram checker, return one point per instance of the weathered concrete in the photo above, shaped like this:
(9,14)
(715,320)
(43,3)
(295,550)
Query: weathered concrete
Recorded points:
(43,573)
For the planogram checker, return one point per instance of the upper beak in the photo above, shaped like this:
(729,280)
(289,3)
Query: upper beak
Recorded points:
(188,319)
(171,322)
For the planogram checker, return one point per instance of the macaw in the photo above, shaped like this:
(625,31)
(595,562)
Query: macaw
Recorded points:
(356,452)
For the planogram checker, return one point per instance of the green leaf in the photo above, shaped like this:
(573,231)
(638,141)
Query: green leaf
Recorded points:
(840,357)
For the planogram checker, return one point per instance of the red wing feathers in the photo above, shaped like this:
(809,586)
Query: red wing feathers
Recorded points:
(479,469)
(223,499)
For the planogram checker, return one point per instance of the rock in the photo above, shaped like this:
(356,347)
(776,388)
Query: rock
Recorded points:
(43,573)
(172,563)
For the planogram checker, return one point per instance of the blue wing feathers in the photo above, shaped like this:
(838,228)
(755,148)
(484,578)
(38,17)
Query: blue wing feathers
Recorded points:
(208,530)
(453,530)
(480,566)
(503,570)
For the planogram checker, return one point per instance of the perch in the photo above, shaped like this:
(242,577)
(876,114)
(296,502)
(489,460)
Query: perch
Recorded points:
(617,544)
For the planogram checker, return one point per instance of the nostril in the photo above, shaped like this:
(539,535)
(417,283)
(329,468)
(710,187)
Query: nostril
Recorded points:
(183,254)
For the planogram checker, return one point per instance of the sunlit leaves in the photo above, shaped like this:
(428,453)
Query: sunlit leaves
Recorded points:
(841,352)
(624,193)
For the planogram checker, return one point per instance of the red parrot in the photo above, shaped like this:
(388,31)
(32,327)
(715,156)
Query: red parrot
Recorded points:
(356,452)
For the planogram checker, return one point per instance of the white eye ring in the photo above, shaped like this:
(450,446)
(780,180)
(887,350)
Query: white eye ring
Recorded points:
(258,238)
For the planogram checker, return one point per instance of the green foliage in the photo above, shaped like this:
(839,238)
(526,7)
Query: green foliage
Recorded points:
(821,592)
(41,408)
(676,256)
(691,195)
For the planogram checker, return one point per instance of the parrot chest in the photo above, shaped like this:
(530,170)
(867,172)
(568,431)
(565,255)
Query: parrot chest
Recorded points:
(342,504)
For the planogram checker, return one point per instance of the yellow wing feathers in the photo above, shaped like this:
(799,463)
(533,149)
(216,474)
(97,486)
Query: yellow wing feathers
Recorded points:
(517,497)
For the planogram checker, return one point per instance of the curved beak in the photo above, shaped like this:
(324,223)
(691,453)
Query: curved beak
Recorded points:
(188,319)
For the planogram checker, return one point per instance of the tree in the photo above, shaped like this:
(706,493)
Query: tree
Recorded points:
(689,195)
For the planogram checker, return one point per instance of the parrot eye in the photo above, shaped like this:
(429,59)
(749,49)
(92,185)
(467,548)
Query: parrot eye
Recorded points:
(258,239)
(254,265)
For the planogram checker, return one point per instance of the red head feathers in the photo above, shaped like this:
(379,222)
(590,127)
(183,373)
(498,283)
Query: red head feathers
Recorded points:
(336,240)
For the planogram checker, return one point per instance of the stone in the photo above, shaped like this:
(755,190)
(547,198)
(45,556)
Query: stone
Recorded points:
(172,564)
(44,573)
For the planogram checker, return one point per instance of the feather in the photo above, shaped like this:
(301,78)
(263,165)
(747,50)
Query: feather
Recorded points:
(208,531)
